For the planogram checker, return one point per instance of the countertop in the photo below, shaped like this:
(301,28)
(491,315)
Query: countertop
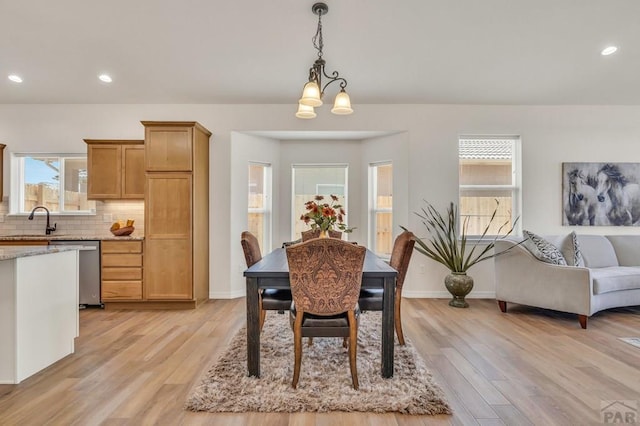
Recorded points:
(54,237)
(7,253)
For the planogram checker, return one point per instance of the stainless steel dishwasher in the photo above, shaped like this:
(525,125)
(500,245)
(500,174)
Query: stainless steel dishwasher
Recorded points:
(88,271)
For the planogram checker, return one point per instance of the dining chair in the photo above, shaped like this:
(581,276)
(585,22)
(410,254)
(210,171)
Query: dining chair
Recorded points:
(371,298)
(315,233)
(271,299)
(325,276)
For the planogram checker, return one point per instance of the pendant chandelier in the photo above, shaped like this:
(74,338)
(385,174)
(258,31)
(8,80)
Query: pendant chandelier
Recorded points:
(314,89)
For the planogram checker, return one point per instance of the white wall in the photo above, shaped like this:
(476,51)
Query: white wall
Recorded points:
(550,135)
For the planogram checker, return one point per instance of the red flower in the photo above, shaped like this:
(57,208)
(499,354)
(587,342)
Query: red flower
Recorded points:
(325,216)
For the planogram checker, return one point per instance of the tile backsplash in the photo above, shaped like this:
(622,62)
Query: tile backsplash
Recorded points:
(85,225)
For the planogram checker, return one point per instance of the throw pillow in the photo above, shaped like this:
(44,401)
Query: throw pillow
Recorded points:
(543,249)
(571,250)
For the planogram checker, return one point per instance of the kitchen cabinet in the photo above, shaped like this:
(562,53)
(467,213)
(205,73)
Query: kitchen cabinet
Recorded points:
(176,213)
(115,169)
(121,270)
(1,169)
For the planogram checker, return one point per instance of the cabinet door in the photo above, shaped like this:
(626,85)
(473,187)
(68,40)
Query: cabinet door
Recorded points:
(168,273)
(168,206)
(133,171)
(168,149)
(104,164)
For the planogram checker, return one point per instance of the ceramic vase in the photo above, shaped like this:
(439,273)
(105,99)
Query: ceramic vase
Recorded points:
(459,285)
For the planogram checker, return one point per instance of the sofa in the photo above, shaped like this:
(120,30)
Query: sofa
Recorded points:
(607,274)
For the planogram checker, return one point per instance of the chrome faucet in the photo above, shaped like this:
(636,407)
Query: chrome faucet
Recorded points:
(49,229)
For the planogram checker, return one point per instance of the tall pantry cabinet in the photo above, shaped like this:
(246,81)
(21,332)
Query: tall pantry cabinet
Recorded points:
(176,213)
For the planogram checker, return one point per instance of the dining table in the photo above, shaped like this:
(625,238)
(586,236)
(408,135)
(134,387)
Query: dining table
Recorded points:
(272,271)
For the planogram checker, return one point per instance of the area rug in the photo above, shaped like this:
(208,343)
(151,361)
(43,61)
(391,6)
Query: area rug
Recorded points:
(325,378)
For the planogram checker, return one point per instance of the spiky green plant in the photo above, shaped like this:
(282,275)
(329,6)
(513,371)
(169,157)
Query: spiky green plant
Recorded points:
(448,246)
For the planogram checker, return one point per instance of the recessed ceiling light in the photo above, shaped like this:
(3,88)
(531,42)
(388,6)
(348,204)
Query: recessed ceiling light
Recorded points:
(105,77)
(609,50)
(15,78)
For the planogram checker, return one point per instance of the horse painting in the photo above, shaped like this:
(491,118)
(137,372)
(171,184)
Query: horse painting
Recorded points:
(582,205)
(622,196)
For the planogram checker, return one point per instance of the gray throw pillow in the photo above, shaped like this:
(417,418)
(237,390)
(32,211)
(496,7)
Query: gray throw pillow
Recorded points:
(543,249)
(571,250)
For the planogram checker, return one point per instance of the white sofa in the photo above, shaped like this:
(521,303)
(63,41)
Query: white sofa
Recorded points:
(610,277)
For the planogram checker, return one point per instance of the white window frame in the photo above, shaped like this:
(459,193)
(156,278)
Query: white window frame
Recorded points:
(267,183)
(373,207)
(516,179)
(16,189)
(344,202)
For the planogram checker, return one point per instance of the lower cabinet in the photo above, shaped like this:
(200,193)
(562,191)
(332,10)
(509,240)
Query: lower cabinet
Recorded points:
(121,270)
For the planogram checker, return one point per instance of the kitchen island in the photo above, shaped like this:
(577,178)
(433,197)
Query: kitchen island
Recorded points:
(38,308)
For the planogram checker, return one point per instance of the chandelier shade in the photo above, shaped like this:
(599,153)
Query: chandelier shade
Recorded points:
(305,111)
(342,104)
(311,95)
(314,89)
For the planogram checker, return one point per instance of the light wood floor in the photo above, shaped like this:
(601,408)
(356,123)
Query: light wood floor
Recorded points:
(528,366)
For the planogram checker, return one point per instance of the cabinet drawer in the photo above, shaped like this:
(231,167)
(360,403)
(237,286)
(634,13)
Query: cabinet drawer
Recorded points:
(121,290)
(121,247)
(120,259)
(116,274)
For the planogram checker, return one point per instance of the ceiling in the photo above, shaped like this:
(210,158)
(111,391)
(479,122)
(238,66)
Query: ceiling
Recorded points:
(506,52)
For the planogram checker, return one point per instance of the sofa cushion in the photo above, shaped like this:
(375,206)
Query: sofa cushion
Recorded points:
(597,251)
(627,248)
(543,249)
(570,249)
(615,278)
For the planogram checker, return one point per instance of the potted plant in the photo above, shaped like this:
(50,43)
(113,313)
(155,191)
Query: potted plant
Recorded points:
(448,245)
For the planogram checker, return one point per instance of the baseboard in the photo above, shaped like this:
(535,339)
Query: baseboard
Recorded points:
(226,294)
(446,295)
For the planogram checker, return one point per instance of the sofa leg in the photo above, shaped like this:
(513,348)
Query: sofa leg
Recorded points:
(502,305)
(583,321)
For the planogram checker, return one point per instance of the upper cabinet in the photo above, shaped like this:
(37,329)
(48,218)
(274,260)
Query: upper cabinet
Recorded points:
(1,169)
(115,169)
(169,146)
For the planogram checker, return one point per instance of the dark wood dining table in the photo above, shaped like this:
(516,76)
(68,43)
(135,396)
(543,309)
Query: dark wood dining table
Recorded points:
(273,272)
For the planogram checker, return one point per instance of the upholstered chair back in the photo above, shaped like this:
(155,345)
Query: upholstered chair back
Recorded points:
(315,233)
(251,248)
(325,275)
(401,255)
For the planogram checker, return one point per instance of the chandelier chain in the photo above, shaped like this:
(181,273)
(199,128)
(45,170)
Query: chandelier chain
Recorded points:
(317,40)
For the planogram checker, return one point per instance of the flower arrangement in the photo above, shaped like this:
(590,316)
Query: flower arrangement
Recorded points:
(325,216)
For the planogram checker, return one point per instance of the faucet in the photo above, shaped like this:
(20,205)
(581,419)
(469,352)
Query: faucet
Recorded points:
(49,229)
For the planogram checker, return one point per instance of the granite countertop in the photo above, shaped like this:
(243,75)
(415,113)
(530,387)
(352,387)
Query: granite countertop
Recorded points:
(54,237)
(7,253)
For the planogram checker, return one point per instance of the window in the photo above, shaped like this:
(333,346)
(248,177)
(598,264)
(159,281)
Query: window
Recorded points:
(259,213)
(489,170)
(381,208)
(55,181)
(309,180)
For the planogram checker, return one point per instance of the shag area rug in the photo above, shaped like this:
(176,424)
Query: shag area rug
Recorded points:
(325,378)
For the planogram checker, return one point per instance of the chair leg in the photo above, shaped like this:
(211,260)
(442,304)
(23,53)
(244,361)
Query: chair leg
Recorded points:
(353,347)
(502,305)
(297,344)
(310,343)
(263,316)
(398,320)
(345,342)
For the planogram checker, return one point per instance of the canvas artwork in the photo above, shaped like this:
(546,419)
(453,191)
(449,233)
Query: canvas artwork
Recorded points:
(601,194)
